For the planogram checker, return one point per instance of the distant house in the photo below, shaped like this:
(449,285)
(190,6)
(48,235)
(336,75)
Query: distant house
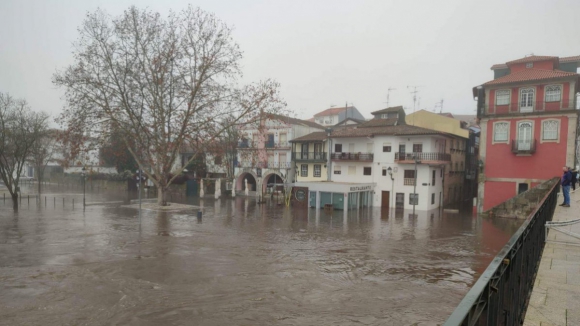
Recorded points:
(333,116)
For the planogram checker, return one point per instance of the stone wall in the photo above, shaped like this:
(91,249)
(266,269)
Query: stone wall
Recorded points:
(523,204)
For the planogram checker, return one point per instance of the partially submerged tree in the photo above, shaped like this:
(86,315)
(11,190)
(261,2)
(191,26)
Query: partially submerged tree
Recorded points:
(164,83)
(42,152)
(20,129)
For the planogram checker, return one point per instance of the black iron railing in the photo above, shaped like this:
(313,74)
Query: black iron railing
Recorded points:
(309,156)
(520,146)
(352,156)
(500,296)
(422,156)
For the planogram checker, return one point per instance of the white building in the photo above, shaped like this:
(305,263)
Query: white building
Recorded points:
(264,153)
(373,164)
(333,116)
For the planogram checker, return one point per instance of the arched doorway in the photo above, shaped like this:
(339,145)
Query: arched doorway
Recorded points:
(241,182)
(270,180)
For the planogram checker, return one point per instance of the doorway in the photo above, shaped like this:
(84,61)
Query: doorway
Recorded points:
(400,200)
(385,198)
(522,187)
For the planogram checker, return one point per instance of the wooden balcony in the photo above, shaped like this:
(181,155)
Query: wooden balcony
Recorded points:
(309,156)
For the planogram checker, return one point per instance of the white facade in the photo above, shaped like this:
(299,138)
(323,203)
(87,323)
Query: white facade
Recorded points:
(373,155)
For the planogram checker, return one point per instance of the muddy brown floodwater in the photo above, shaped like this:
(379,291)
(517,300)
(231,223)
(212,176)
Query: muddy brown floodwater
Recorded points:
(243,264)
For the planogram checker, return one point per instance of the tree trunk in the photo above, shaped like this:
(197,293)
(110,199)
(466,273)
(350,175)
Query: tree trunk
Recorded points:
(162,196)
(15,201)
(39,184)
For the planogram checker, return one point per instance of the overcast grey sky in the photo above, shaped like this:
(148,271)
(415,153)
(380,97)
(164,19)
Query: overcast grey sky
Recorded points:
(322,52)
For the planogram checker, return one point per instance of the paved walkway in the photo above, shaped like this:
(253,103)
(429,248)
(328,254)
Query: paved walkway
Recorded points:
(555,299)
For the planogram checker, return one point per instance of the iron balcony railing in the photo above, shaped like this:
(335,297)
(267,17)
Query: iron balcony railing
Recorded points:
(422,156)
(524,107)
(523,146)
(265,165)
(500,295)
(249,144)
(309,156)
(352,156)
(409,181)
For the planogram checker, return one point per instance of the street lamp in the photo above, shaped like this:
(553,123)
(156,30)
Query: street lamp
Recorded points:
(83,174)
(390,172)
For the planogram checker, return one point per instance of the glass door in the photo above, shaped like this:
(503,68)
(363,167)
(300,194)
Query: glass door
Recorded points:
(527,100)
(524,136)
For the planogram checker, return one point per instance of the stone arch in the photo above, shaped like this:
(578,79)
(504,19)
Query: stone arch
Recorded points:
(275,176)
(240,185)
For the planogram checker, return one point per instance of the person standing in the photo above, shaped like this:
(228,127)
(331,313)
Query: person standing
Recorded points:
(565,182)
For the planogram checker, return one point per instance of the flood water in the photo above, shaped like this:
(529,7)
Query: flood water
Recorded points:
(243,264)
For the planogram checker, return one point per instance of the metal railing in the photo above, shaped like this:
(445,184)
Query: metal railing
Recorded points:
(422,156)
(523,146)
(501,294)
(309,156)
(352,156)
(409,181)
(265,165)
(267,144)
(524,107)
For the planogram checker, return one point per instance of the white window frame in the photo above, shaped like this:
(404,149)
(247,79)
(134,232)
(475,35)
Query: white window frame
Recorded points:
(557,139)
(302,170)
(503,92)
(551,98)
(507,140)
(517,135)
(337,169)
(317,170)
(527,108)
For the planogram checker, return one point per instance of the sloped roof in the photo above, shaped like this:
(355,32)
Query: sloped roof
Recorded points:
(531,74)
(359,121)
(532,58)
(332,111)
(313,136)
(390,109)
(575,58)
(378,123)
(400,130)
(294,121)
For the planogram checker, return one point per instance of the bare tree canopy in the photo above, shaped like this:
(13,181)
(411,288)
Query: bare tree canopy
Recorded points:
(20,130)
(165,83)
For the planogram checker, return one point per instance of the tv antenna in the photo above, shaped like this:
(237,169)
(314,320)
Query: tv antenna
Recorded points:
(389,93)
(439,105)
(414,92)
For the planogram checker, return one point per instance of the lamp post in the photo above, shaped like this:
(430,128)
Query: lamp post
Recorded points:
(83,175)
(390,172)
(139,179)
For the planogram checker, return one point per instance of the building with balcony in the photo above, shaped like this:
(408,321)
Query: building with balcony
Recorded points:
(529,120)
(264,153)
(456,147)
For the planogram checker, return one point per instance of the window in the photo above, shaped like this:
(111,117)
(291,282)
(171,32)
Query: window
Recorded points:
(433,178)
(524,141)
(500,131)
(441,174)
(527,99)
(384,170)
(413,199)
(530,65)
(461,169)
(351,170)
(550,129)
(367,170)
(417,148)
(432,198)
(304,170)
(386,148)
(317,170)
(409,174)
(338,148)
(502,97)
(217,160)
(337,169)
(553,93)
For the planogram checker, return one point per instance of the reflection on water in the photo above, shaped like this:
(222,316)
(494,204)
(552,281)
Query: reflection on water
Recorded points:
(244,264)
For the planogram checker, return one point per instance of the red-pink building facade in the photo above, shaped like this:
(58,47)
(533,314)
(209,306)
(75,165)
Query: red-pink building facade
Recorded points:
(529,123)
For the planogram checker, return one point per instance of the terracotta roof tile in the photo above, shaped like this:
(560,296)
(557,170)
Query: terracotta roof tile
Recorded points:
(313,136)
(531,74)
(532,58)
(390,109)
(400,130)
(331,111)
(378,123)
(570,59)
(295,121)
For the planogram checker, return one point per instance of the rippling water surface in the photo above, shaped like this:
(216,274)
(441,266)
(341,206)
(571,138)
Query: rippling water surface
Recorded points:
(243,264)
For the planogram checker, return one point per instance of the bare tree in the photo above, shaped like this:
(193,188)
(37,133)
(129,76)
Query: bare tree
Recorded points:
(20,129)
(42,152)
(164,83)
